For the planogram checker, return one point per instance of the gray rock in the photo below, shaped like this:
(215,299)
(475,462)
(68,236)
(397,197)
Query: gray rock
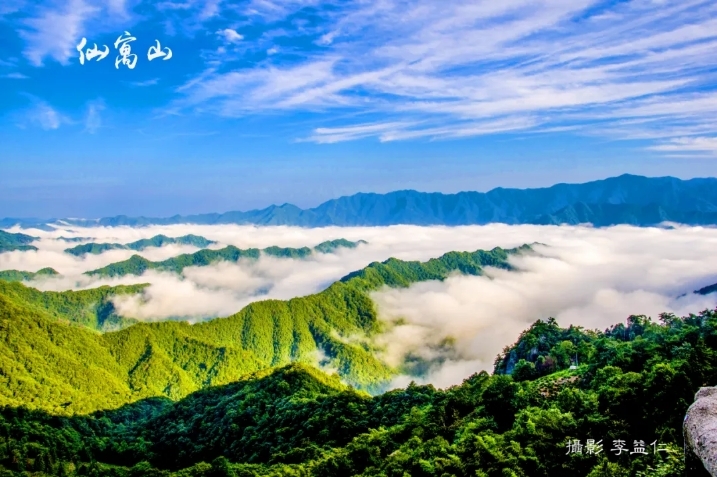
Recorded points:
(700,428)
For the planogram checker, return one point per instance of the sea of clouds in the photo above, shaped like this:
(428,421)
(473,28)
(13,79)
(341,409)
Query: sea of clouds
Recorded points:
(582,275)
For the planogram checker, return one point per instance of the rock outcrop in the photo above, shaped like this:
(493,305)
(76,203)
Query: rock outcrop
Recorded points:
(700,429)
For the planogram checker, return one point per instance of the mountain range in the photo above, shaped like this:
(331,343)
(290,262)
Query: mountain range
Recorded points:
(139,245)
(136,264)
(626,199)
(10,242)
(634,379)
(53,358)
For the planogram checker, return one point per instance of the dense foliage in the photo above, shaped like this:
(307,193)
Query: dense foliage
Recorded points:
(139,245)
(136,265)
(90,308)
(10,242)
(42,356)
(20,276)
(635,382)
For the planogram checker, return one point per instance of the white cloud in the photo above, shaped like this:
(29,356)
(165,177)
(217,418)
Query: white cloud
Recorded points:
(55,33)
(93,118)
(141,84)
(15,76)
(211,9)
(43,115)
(689,144)
(117,7)
(532,63)
(229,35)
(585,276)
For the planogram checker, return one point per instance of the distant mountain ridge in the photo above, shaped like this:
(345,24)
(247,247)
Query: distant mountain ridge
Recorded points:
(137,265)
(626,199)
(10,242)
(156,241)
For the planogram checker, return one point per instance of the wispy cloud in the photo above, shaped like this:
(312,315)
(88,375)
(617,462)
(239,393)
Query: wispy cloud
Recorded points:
(15,76)
(93,118)
(459,67)
(54,32)
(42,114)
(689,144)
(141,84)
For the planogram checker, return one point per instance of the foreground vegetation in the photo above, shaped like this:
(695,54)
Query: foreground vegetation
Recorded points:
(635,383)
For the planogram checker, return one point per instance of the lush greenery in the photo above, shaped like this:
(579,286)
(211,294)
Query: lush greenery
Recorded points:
(20,276)
(89,308)
(136,265)
(10,242)
(156,241)
(174,359)
(236,396)
(635,382)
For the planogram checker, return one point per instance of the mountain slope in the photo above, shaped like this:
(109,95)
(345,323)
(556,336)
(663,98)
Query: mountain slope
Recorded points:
(136,265)
(173,359)
(139,245)
(19,276)
(10,242)
(636,379)
(89,308)
(625,199)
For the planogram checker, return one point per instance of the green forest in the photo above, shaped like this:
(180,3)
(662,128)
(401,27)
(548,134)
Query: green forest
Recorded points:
(84,392)
(139,245)
(10,242)
(136,265)
(21,276)
(635,382)
(54,358)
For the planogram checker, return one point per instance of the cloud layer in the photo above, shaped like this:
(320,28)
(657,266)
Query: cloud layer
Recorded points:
(467,68)
(584,276)
(638,69)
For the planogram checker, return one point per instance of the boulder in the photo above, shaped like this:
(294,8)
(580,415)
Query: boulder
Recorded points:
(700,428)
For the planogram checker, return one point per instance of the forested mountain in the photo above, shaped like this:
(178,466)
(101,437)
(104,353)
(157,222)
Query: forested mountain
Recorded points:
(136,265)
(19,276)
(627,199)
(139,245)
(634,383)
(40,354)
(89,308)
(74,239)
(10,242)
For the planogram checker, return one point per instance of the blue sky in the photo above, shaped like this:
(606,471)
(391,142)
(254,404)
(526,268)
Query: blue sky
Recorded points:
(268,101)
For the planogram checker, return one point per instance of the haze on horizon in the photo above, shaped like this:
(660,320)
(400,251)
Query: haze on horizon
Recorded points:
(268,102)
